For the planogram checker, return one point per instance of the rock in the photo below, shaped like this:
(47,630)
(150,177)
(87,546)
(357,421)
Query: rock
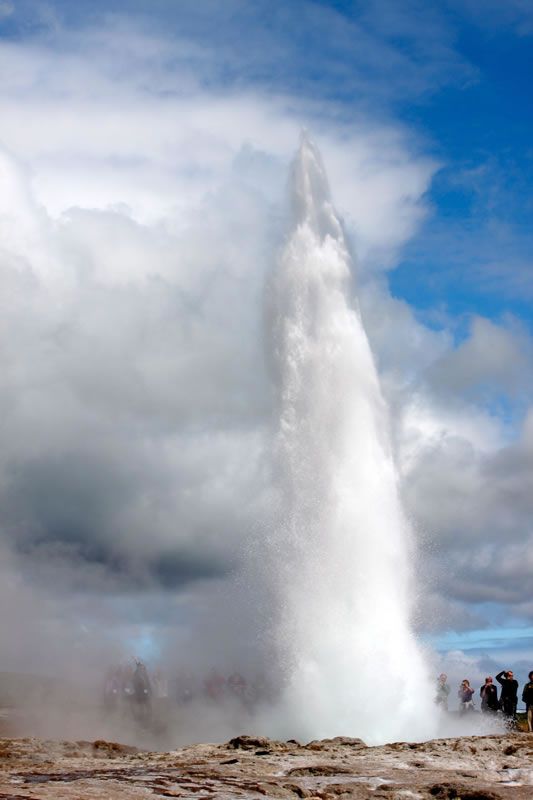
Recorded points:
(262,744)
(447,791)
(319,769)
(111,749)
(338,741)
(497,767)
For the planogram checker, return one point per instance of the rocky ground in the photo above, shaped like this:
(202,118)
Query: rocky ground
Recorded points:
(470,767)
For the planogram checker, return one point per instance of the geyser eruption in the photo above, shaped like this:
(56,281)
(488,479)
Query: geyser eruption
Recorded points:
(341,560)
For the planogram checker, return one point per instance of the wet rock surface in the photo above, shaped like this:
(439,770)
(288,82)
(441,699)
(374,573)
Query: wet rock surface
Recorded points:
(471,768)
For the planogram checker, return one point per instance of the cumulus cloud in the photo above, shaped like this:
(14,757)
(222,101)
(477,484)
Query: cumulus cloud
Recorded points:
(461,419)
(141,207)
(493,360)
(109,142)
(137,230)
(464,449)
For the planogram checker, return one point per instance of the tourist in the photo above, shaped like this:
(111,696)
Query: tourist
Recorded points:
(509,694)
(527,698)
(160,685)
(142,694)
(237,685)
(443,690)
(214,686)
(465,695)
(489,697)
(112,687)
(126,683)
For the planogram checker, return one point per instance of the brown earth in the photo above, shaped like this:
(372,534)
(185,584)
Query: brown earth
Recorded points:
(471,768)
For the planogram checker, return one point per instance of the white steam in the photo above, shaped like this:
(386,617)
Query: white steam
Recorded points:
(341,560)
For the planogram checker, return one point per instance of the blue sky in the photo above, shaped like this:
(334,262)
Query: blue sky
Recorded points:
(475,253)
(140,133)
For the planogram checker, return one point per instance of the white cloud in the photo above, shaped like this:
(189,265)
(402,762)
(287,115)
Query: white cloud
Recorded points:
(139,213)
(465,479)
(494,359)
(100,128)
(462,431)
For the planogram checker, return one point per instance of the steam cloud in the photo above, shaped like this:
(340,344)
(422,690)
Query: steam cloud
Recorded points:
(136,233)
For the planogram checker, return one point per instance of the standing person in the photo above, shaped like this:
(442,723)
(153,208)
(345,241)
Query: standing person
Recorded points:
(112,687)
(214,686)
(489,696)
(443,690)
(142,694)
(509,694)
(527,698)
(237,685)
(159,684)
(465,695)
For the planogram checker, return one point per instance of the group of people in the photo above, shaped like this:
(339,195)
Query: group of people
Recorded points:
(490,702)
(129,690)
(217,688)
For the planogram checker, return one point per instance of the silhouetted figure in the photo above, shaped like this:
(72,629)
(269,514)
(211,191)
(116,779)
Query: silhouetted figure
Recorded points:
(186,687)
(489,697)
(112,688)
(509,695)
(126,685)
(443,690)
(527,698)
(238,686)
(214,686)
(159,685)
(142,694)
